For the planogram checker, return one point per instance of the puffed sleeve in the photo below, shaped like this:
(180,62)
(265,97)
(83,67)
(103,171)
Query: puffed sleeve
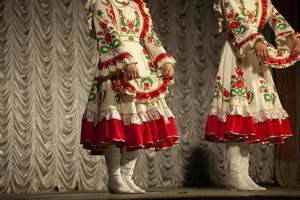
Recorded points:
(283,31)
(153,44)
(244,27)
(113,53)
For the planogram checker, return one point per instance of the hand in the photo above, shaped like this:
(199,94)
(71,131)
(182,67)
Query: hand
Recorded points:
(131,72)
(167,70)
(261,50)
(296,48)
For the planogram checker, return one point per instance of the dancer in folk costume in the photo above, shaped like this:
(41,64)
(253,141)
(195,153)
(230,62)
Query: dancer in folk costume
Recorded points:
(245,105)
(126,110)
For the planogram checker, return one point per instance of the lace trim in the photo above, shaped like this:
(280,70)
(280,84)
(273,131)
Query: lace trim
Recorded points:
(127,120)
(245,112)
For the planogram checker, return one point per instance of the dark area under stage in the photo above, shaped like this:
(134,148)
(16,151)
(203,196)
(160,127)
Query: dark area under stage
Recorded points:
(170,193)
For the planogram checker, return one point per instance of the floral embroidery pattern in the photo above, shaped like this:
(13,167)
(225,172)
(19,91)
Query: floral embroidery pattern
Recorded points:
(152,38)
(220,91)
(107,38)
(238,87)
(264,90)
(94,90)
(278,21)
(239,24)
(123,2)
(130,27)
(146,83)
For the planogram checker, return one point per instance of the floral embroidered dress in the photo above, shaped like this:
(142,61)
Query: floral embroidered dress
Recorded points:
(130,113)
(245,104)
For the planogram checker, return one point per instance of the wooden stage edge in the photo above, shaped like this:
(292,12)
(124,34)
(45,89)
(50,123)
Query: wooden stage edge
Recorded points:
(274,193)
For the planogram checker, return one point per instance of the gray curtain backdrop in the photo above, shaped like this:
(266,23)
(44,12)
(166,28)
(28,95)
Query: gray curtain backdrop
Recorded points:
(47,63)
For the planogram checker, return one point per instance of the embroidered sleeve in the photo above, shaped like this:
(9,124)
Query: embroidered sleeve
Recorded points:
(243,24)
(281,56)
(113,54)
(152,42)
(283,31)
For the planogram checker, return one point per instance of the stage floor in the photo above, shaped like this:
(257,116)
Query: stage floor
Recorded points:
(165,193)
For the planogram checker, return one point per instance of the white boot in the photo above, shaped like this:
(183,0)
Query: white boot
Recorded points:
(235,179)
(115,182)
(128,161)
(245,150)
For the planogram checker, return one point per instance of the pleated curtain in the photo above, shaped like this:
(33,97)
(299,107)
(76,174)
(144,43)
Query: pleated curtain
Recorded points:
(47,63)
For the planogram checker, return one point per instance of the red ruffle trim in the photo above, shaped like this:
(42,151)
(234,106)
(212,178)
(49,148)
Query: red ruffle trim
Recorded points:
(114,61)
(264,14)
(161,57)
(284,33)
(238,128)
(146,95)
(248,39)
(283,61)
(145,29)
(153,134)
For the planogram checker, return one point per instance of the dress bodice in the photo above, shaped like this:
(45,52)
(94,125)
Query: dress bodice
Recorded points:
(129,19)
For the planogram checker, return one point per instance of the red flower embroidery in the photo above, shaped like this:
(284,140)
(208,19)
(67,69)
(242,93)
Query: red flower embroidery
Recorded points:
(280,53)
(146,86)
(124,29)
(226,93)
(274,20)
(218,78)
(103,25)
(248,95)
(250,16)
(230,15)
(234,25)
(233,76)
(240,84)
(131,25)
(107,37)
(261,81)
(240,73)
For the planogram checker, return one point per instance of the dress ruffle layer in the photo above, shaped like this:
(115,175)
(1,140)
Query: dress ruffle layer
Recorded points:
(245,104)
(148,130)
(239,128)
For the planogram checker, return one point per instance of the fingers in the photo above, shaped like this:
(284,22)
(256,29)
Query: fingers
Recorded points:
(296,49)
(167,72)
(131,74)
(262,54)
(265,54)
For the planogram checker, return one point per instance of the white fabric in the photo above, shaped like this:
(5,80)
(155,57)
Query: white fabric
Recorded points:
(256,79)
(235,180)
(115,181)
(128,161)
(244,161)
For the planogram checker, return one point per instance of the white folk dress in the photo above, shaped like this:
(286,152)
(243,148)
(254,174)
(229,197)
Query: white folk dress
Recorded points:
(129,113)
(245,104)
